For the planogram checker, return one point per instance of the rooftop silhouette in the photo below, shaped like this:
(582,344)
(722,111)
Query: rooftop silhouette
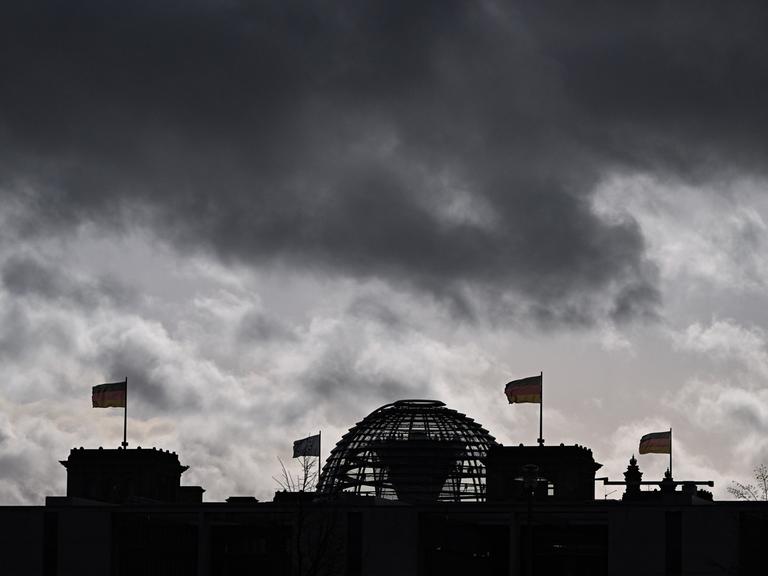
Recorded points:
(413,488)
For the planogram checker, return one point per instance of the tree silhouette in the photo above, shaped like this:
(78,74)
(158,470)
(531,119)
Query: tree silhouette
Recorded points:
(304,481)
(757,491)
(317,541)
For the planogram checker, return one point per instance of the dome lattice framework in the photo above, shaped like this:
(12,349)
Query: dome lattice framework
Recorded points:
(411,450)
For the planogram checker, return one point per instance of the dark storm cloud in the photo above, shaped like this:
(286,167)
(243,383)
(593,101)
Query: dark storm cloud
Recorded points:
(143,360)
(21,339)
(369,307)
(29,277)
(258,327)
(337,384)
(449,146)
(678,86)
(30,283)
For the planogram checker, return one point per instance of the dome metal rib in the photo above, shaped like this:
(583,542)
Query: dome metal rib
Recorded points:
(411,450)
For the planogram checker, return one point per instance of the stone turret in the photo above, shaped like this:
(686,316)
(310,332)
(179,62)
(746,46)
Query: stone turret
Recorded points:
(632,477)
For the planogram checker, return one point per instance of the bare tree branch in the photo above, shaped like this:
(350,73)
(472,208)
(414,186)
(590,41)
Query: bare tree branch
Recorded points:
(749,491)
(304,481)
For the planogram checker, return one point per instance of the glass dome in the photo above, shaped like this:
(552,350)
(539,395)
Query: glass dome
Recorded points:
(411,450)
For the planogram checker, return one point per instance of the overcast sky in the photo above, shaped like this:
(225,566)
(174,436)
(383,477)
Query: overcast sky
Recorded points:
(274,217)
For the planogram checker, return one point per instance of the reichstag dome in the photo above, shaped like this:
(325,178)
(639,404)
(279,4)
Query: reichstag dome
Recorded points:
(411,450)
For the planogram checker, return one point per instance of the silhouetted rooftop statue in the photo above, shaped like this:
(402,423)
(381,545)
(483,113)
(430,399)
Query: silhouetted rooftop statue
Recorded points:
(633,477)
(122,475)
(667,484)
(666,490)
(411,450)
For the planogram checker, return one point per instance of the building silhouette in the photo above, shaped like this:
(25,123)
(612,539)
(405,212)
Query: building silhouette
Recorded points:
(121,476)
(413,488)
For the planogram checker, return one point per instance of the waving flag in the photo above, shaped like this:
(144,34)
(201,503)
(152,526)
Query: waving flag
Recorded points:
(309,446)
(111,395)
(524,390)
(656,443)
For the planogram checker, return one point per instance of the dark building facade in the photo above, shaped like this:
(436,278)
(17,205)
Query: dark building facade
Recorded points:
(365,536)
(561,472)
(126,513)
(120,476)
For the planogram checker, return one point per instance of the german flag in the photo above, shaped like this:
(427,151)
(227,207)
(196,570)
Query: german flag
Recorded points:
(111,395)
(525,390)
(656,443)
(309,446)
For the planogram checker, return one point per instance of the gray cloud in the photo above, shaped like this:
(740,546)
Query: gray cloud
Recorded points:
(372,307)
(441,155)
(229,414)
(30,277)
(670,85)
(258,327)
(445,147)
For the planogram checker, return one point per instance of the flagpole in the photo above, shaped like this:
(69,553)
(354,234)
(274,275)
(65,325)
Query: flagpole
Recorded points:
(319,456)
(125,416)
(541,411)
(670,451)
